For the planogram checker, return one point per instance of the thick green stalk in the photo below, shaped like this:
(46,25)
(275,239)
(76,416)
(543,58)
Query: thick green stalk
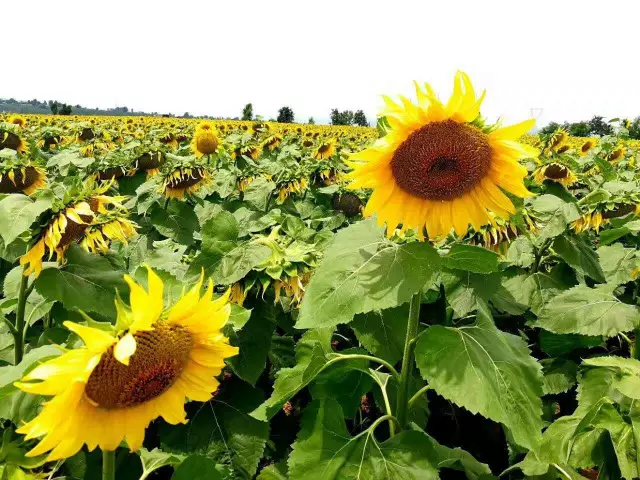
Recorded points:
(108,465)
(18,334)
(402,404)
(635,348)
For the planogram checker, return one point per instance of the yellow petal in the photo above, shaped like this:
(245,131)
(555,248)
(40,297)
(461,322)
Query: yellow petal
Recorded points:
(125,347)
(96,340)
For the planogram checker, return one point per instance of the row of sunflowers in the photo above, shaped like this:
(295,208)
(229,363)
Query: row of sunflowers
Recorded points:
(439,297)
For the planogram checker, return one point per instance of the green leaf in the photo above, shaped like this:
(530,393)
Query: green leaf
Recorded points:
(254,341)
(521,253)
(558,345)
(580,255)
(485,371)
(276,471)
(177,222)
(197,467)
(220,232)
(471,258)
(466,290)
(86,282)
(589,311)
(229,267)
(155,459)
(324,450)
(166,255)
(18,212)
(222,429)
(258,193)
(383,332)
(361,272)
(559,375)
(538,290)
(553,215)
(617,262)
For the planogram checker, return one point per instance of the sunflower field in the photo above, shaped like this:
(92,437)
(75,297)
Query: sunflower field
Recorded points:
(437,297)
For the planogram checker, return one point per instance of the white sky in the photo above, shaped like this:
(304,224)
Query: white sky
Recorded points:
(573,59)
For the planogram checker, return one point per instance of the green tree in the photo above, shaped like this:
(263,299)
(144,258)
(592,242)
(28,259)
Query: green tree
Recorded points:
(311,121)
(597,126)
(54,107)
(579,129)
(285,115)
(550,128)
(360,119)
(341,118)
(247,112)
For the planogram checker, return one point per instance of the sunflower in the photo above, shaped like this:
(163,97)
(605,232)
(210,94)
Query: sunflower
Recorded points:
(18,120)
(616,154)
(586,146)
(185,181)
(23,179)
(12,141)
(66,227)
(98,237)
(436,168)
(590,220)
(205,141)
(272,142)
(251,151)
(150,162)
(558,138)
(556,173)
(325,149)
(148,366)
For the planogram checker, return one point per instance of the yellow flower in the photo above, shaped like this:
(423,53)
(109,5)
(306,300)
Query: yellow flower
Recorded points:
(62,230)
(272,142)
(616,154)
(556,173)
(113,387)
(185,181)
(586,146)
(205,141)
(437,169)
(98,238)
(18,120)
(558,138)
(326,149)
(24,179)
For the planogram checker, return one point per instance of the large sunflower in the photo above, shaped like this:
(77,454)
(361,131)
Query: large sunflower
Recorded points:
(113,387)
(185,181)
(25,179)
(438,168)
(205,141)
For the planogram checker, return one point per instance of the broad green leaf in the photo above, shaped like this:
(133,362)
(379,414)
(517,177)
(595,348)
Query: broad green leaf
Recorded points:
(155,459)
(362,271)
(276,471)
(18,212)
(86,282)
(324,450)
(177,222)
(167,255)
(258,193)
(588,311)
(220,232)
(618,262)
(383,332)
(485,371)
(197,467)
(222,429)
(466,290)
(229,267)
(558,345)
(521,253)
(559,375)
(254,341)
(471,258)
(553,215)
(580,255)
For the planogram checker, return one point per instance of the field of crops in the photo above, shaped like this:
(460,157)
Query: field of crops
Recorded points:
(433,298)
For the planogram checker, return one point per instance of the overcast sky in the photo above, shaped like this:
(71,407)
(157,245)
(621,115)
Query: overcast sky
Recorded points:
(572,59)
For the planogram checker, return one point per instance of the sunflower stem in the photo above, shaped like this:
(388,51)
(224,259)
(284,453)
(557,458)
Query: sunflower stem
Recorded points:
(108,465)
(19,333)
(402,404)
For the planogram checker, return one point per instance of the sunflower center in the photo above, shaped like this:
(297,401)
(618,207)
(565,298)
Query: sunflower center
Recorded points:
(442,160)
(556,172)
(160,357)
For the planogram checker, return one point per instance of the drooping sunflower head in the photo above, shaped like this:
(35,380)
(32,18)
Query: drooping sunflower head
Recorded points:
(18,120)
(26,179)
(272,142)
(64,228)
(558,138)
(616,154)
(9,138)
(586,146)
(122,379)
(251,151)
(555,172)
(205,140)
(97,238)
(437,168)
(185,181)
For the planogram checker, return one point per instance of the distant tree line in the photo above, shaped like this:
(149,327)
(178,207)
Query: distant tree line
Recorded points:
(596,126)
(347,117)
(60,108)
